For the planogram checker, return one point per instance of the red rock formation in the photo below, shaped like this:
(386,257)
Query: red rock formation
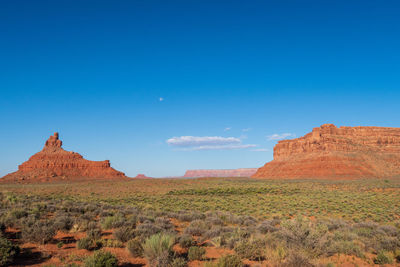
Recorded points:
(142,176)
(331,152)
(55,162)
(244,172)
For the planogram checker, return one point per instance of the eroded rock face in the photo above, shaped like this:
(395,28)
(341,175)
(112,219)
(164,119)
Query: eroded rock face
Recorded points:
(331,152)
(54,162)
(244,172)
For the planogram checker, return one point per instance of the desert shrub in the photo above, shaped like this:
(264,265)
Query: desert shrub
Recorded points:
(60,244)
(188,216)
(345,247)
(384,242)
(92,226)
(267,226)
(229,261)
(112,221)
(94,234)
(383,257)
(135,248)
(196,228)
(296,259)
(124,234)
(18,213)
(101,259)
(247,220)
(186,241)
(147,229)
(111,243)
(196,253)
(178,262)
(38,231)
(85,243)
(63,223)
(216,231)
(158,249)
(334,224)
(301,233)
(214,221)
(250,249)
(80,225)
(164,223)
(8,251)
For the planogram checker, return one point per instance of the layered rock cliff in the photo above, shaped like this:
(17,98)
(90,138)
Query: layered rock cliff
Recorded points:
(244,172)
(332,152)
(55,162)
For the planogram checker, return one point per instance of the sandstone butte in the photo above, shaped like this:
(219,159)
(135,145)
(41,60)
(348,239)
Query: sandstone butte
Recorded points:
(244,172)
(142,176)
(53,163)
(338,153)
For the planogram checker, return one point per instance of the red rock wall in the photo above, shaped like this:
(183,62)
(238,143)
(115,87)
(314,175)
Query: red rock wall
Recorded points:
(245,172)
(331,152)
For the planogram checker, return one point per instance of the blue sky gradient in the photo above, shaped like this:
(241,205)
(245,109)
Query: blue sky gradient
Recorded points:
(95,72)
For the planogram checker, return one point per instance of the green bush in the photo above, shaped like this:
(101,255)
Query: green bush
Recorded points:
(196,253)
(38,232)
(85,243)
(124,234)
(383,258)
(296,259)
(101,259)
(7,251)
(135,248)
(158,249)
(186,241)
(250,249)
(94,234)
(112,222)
(111,243)
(229,261)
(178,262)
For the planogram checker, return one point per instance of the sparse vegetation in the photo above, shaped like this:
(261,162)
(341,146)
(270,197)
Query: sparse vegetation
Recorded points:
(285,223)
(196,253)
(101,259)
(158,249)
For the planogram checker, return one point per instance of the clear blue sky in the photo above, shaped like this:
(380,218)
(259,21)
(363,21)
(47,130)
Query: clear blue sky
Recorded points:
(229,73)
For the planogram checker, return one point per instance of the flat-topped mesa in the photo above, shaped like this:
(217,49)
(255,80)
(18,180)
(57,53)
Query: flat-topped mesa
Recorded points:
(345,152)
(53,161)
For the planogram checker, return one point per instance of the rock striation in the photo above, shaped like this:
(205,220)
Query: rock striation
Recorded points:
(332,152)
(54,162)
(244,172)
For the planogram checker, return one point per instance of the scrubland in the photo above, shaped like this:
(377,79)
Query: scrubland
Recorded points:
(201,222)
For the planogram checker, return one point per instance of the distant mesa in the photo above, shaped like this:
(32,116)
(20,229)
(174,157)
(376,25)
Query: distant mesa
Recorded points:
(53,162)
(244,172)
(341,153)
(142,176)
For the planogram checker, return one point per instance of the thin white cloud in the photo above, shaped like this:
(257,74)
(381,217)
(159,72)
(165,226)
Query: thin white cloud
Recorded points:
(185,141)
(260,150)
(221,147)
(282,136)
(207,143)
(246,129)
(227,129)
(161,99)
